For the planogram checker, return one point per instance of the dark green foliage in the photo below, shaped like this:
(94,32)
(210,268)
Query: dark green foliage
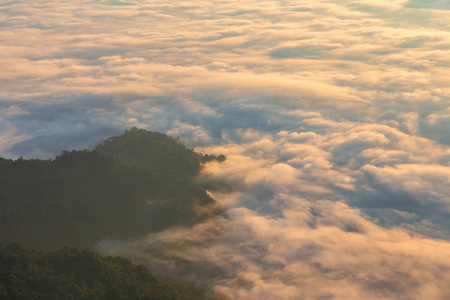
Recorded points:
(83,197)
(206,158)
(141,148)
(75,274)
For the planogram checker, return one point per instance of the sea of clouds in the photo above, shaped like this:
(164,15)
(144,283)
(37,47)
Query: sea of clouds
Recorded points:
(334,117)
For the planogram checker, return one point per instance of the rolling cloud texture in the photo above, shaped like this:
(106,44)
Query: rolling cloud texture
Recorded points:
(334,117)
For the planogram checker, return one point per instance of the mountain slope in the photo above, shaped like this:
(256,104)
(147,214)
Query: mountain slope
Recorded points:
(70,273)
(130,185)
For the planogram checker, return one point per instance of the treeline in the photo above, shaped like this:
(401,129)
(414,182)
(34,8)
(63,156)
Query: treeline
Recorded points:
(130,185)
(72,274)
(155,152)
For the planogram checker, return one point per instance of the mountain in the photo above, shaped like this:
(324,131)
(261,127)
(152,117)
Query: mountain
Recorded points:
(155,152)
(70,273)
(129,185)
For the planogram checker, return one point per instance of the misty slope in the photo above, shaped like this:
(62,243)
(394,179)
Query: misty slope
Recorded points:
(70,273)
(141,182)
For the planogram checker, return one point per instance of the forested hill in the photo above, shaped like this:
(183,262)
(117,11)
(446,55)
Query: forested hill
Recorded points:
(155,152)
(70,273)
(130,185)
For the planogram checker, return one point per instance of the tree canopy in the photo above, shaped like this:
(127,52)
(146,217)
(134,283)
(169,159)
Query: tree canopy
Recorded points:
(133,184)
(73,274)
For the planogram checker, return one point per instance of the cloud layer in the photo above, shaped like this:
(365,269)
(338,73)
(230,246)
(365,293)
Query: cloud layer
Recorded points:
(334,116)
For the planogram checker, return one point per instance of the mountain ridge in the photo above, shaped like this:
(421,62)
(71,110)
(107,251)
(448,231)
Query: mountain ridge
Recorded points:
(128,186)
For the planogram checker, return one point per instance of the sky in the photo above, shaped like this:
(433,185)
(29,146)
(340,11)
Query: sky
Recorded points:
(334,117)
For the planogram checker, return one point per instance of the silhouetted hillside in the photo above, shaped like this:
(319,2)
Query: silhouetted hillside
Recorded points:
(155,152)
(70,273)
(137,183)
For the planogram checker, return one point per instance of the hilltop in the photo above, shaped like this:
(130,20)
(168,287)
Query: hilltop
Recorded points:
(128,186)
